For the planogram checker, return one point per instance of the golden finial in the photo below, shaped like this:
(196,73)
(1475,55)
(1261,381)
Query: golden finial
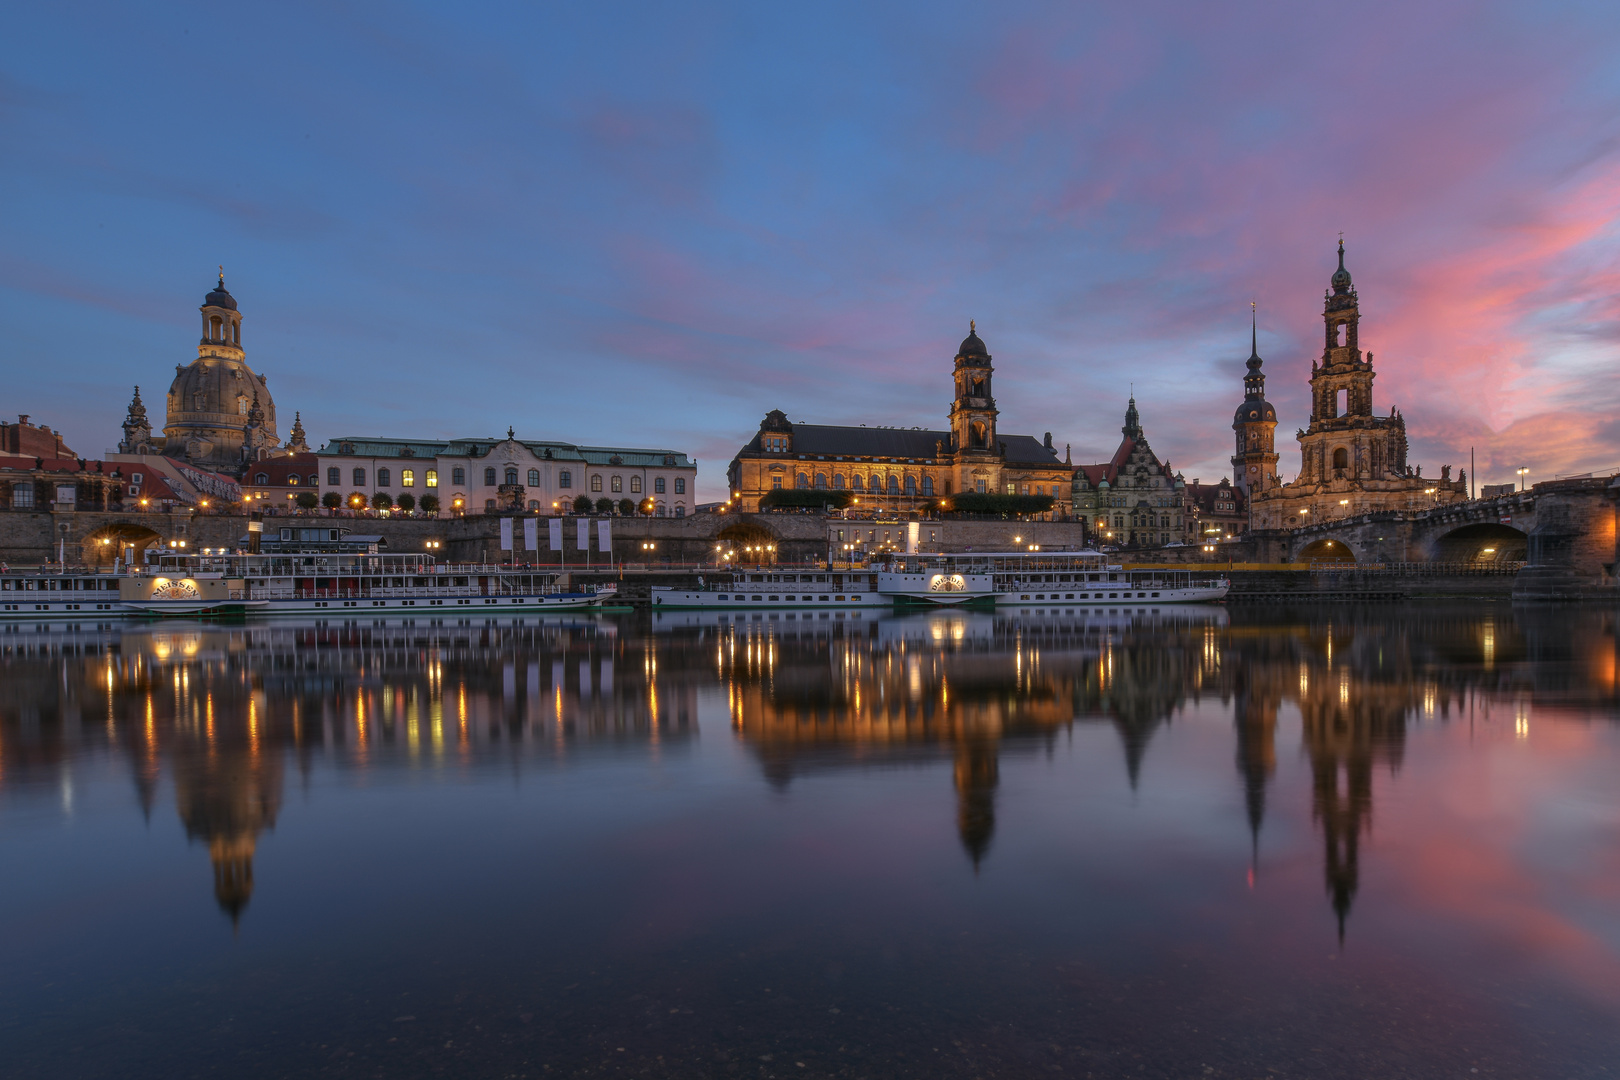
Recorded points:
(222,275)
(973,327)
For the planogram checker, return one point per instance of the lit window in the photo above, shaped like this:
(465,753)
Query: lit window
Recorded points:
(407,478)
(431,478)
(596,482)
(635,485)
(617,483)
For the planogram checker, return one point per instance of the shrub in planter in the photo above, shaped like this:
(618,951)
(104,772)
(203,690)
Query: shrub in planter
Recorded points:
(382,501)
(430,504)
(582,505)
(307,500)
(604,505)
(626,507)
(407,502)
(331,500)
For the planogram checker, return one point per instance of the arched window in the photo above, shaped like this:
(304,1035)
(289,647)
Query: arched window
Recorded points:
(565,479)
(635,485)
(821,480)
(658,511)
(458,476)
(511,476)
(658,485)
(489,476)
(680,487)
(534,477)
(359,478)
(894,485)
(384,478)
(803,481)
(534,504)
(261,478)
(928,485)
(596,482)
(616,483)
(680,510)
(333,477)
(838,481)
(1341,458)
(911,485)
(489,506)
(855,482)
(407,478)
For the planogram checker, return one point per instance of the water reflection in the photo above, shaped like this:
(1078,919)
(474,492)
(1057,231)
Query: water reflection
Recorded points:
(225,710)
(221,709)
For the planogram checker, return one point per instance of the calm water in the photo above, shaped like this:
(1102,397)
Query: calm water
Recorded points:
(1192,844)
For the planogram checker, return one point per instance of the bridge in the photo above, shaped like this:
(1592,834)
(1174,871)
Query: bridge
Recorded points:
(1562,530)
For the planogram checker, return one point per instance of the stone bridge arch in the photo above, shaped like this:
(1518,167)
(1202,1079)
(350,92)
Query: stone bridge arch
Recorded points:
(1325,549)
(1481,542)
(107,543)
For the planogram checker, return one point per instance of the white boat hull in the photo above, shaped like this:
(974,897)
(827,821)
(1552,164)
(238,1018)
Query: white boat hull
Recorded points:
(668,597)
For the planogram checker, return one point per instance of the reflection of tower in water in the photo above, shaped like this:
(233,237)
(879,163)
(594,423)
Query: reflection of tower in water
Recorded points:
(1349,725)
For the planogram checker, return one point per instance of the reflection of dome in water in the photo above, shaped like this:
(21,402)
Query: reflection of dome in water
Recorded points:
(227,797)
(976,774)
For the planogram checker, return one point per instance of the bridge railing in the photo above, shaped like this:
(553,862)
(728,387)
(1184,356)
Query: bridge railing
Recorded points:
(1420,569)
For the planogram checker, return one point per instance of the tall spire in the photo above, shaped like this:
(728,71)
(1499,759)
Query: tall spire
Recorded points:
(1341,276)
(1133,421)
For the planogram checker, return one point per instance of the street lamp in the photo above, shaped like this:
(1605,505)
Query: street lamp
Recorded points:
(1524,470)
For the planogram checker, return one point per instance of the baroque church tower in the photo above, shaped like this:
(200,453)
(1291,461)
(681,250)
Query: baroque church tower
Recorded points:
(1254,464)
(220,415)
(973,418)
(1352,461)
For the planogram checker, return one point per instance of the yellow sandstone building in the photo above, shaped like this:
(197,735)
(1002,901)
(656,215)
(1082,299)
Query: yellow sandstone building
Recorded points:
(906,470)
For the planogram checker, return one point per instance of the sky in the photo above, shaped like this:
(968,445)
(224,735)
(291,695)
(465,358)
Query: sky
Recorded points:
(649,224)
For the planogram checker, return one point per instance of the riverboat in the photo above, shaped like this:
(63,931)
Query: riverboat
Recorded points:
(295,583)
(980,578)
(834,590)
(354,582)
(1018,578)
(59,593)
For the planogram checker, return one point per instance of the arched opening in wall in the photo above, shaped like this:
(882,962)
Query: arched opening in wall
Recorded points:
(748,544)
(1341,458)
(1485,543)
(110,543)
(1340,334)
(1327,551)
(1341,403)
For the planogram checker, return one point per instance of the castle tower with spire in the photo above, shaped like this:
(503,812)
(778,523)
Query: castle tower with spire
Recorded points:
(973,417)
(1352,460)
(1254,464)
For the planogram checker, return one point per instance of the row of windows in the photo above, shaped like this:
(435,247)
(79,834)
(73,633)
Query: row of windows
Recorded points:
(292,480)
(458,477)
(856,483)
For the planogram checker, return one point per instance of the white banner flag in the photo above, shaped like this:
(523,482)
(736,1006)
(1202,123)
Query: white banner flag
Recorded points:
(604,536)
(531,534)
(582,534)
(556,534)
(506,534)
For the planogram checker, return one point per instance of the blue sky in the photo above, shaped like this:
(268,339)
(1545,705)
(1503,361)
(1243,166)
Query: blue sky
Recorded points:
(649,224)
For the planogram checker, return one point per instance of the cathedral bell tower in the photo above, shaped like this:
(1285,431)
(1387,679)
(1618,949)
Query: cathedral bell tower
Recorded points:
(1341,385)
(1254,464)
(973,418)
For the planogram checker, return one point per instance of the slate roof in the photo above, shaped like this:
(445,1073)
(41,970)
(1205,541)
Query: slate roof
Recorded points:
(886,442)
(377,446)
